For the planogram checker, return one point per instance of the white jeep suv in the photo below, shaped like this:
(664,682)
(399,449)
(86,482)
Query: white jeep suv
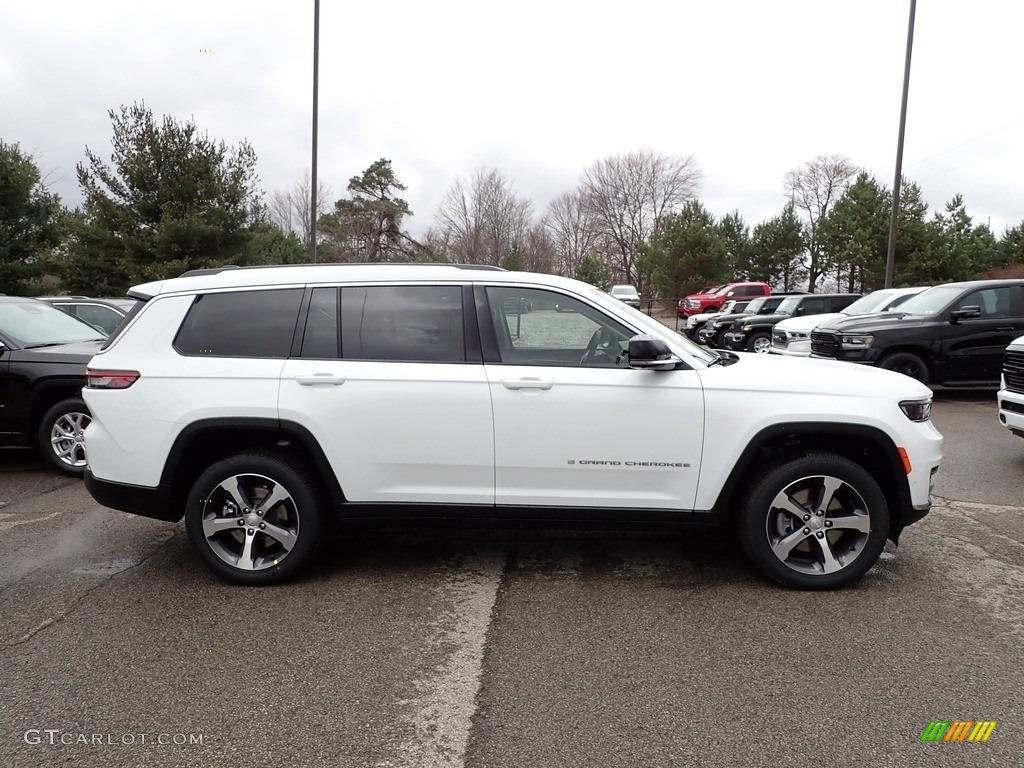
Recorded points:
(261,404)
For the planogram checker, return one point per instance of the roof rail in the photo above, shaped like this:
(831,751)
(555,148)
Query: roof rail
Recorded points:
(217,270)
(209,270)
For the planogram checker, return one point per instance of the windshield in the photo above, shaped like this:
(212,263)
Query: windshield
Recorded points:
(35,324)
(755,306)
(931,301)
(623,290)
(788,305)
(873,302)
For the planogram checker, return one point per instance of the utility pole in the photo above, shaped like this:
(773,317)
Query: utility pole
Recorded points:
(890,260)
(316,80)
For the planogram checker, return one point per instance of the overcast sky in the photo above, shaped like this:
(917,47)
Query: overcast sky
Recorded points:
(539,89)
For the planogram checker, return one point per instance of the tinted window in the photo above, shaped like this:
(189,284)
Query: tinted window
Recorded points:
(993,302)
(321,336)
(811,306)
(842,302)
(98,315)
(240,324)
(403,322)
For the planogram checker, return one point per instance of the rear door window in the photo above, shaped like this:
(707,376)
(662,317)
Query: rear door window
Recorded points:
(403,323)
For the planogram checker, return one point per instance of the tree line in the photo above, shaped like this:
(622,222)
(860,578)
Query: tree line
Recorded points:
(172,199)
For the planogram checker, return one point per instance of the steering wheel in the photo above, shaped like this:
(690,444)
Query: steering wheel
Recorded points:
(593,353)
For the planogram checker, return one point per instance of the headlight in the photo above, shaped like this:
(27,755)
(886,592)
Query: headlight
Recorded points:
(800,334)
(747,328)
(858,340)
(917,410)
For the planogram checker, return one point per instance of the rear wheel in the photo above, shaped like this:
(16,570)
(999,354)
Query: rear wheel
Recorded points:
(61,435)
(255,518)
(906,363)
(814,521)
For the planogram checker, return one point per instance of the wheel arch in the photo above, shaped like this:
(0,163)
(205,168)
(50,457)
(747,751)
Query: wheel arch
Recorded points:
(47,394)
(865,445)
(204,442)
(923,352)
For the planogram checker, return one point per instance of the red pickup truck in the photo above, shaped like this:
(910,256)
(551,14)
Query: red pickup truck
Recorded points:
(696,303)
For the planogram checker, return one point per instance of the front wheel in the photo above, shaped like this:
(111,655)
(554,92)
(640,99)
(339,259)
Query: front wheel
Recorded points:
(61,436)
(908,364)
(814,521)
(761,343)
(255,518)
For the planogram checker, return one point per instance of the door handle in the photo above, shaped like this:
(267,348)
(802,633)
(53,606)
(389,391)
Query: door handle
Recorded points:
(526,384)
(320,378)
(1006,328)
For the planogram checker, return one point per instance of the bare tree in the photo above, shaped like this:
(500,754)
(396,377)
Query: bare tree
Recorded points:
(484,221)
(540,254)
(573,236)
(813,189)
(626,198)
(289,208)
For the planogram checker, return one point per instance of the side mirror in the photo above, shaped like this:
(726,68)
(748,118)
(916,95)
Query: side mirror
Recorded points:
(965,313)
(648,352)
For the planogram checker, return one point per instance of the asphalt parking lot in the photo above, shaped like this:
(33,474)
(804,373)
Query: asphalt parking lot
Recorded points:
(495,648)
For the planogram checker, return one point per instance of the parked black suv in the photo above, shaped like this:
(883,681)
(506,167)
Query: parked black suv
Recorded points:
(43,354)
(716,327)
(754,334)
(952,334)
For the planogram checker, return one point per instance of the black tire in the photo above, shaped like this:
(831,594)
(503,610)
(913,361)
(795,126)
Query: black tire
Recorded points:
(908,364)
(760,343)
(790,548)
(60,436)
(296,519)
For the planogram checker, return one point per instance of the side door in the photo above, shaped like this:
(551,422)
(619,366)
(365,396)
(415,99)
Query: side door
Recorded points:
(574,425)
(972,348)
(7,416)
(389,379)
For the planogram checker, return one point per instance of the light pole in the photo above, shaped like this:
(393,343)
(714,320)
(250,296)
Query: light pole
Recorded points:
(316,79)
(890,260)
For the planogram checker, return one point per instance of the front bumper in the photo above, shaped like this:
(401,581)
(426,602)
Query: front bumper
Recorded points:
(1011,411)
(793,349)
(737,341)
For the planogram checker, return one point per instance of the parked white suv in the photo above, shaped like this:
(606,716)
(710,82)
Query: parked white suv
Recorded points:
(261,403)
(793,336)
(1011,388)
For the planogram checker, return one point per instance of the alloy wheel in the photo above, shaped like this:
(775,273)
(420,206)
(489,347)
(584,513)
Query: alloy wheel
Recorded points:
(818,525)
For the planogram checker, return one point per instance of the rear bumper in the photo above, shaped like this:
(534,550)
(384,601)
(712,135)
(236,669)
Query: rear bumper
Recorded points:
(136,499)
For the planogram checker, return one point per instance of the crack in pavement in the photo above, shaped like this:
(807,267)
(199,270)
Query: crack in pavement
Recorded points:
(51,621)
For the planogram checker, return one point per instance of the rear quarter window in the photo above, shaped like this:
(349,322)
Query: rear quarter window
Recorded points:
(240,324)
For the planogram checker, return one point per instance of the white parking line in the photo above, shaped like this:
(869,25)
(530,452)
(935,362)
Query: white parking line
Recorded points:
(6,524)
(440,715)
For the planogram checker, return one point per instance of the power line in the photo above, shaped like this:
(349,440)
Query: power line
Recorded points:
(965,143)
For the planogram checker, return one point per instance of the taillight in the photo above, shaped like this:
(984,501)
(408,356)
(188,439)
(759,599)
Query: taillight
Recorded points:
(110,379)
